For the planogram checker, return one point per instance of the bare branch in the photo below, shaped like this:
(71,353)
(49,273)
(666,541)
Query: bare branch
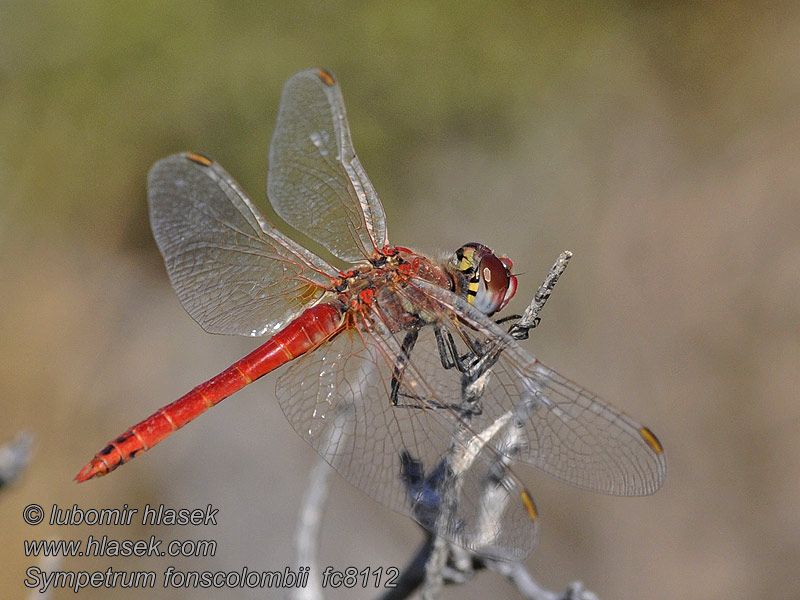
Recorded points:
(413,574)
(308,530)
(530,318)
(528,588)
(434,569)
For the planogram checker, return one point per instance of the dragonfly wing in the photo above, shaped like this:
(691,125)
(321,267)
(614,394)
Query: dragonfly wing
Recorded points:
(233,272)
(316,182)
(338,399)
(556,425)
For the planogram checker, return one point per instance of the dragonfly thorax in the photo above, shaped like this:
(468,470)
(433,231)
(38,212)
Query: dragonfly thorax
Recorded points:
(387,284)
(482,278)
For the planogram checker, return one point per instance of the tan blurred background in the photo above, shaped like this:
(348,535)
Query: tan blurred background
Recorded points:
(660,145)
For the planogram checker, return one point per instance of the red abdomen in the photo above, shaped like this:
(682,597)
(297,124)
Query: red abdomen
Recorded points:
(314,327)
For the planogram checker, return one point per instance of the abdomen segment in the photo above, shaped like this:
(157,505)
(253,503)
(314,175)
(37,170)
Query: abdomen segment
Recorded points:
(312,328)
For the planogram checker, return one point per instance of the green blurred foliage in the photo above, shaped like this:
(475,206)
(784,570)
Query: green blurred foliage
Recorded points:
(93,93)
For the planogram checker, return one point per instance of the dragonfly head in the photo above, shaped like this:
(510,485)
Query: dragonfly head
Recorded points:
(482,278)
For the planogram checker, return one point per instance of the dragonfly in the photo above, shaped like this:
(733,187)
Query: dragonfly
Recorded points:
(399,376)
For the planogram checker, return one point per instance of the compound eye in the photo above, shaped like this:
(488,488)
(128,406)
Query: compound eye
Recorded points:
(492,286)
(488,280)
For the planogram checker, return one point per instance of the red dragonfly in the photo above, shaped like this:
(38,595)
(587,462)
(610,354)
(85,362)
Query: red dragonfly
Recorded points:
(400,379)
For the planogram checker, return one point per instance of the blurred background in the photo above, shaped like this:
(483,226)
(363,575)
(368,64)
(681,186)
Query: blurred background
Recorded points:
(660,144)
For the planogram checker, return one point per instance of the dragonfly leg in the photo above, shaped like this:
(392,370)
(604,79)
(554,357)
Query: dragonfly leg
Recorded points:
(448,351)
(400,364)
(473,366)
(399,369)
(507,319)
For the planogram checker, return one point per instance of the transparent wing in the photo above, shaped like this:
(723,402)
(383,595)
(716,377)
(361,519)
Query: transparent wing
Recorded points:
(233,272)
(316,182)
(552,423)
(413,460)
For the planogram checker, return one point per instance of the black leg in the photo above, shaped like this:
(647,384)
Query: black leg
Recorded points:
(401,362)
(472,365)
(447,351)
(508,318)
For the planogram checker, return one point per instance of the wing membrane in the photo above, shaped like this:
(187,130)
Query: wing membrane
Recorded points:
(557,426)
(338,399)
(233,272)
(316,182)
(407,455)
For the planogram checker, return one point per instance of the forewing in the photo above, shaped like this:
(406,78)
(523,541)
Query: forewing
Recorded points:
(316,182)
(233,272)
(411,459)
(556,425)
